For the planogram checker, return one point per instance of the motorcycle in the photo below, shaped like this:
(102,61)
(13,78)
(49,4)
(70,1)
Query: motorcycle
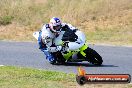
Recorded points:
(84,53)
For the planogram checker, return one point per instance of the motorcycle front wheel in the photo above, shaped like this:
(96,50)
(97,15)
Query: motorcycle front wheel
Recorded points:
(93,57)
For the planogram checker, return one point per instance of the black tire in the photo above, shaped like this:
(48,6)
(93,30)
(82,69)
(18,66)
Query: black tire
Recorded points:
(53,62)
(59,59)
(57,63)
(93,57)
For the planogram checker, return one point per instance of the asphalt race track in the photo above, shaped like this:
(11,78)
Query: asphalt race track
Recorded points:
(117,60)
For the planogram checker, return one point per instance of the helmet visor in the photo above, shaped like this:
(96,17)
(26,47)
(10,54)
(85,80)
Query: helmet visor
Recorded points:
(57,28)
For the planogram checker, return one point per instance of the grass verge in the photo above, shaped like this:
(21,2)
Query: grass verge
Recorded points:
(16,77)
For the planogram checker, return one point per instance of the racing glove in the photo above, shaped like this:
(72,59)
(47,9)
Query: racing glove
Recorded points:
(55,48)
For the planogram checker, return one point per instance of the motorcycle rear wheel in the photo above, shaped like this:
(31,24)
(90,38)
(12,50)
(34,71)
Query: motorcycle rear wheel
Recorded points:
(59,60)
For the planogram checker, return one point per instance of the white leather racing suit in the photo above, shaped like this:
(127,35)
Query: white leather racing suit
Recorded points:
(53,40)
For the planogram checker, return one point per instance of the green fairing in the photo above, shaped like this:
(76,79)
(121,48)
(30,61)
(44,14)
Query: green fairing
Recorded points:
(70,53)
(67,55)
(82,49)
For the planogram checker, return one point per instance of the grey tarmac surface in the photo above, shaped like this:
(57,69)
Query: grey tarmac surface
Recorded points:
(117,60)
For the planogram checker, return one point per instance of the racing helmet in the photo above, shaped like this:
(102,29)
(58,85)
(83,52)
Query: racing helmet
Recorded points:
(55,24)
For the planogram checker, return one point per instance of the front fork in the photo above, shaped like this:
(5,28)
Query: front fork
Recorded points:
(69,54)
(84,47)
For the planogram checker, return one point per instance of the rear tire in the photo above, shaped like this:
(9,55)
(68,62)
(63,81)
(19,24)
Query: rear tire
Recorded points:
(93,57)
(59,59)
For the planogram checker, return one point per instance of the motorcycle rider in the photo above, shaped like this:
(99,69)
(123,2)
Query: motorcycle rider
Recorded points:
(49,32)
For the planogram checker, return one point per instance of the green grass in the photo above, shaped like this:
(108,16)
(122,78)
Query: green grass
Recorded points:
(16,77)
(103,21)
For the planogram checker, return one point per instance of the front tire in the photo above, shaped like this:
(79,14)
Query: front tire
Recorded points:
(93,57)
